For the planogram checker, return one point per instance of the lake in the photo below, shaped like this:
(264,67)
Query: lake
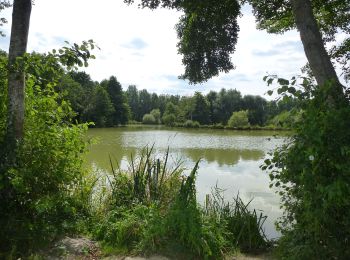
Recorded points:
(229,159)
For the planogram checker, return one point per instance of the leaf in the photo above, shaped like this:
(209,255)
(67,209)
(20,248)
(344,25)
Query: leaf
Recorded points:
(282,81)
(269,82)
(270,92)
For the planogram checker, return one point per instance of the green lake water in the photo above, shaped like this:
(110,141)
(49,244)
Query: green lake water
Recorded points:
(229,159)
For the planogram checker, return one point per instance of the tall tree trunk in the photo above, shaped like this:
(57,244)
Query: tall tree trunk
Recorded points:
(310,35)
(16,79)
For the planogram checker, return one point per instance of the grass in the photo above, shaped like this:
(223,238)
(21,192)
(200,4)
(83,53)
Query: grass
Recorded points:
(153,209)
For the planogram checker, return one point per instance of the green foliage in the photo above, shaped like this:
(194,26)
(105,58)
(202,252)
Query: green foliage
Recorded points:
(311,173)
(243,228)
(239,119)
(286,119)
(207,35)
(156,114)
(191,124)
(152,209)
(101,110)
(41,193)
(148,119)
(169,117)
(3,94)
(121,109)
(200,109)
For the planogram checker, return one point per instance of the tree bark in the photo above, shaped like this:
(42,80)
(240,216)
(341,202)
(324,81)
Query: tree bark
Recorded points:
(16,78)
(310,35)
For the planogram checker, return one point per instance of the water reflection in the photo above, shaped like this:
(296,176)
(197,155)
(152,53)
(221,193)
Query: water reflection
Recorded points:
(223,157)
(230,159)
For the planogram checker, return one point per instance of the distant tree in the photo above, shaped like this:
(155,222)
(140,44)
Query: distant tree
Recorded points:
(132,95)
(228,101)
(162,100)
(83,79)
(256,106)
(212,100)
(121,112)
(101,110)
(186,108)
(74,93)
(156,114)
(144,103)
(170,114)
(239,119)
(149,119)
(200,109)
(154,101)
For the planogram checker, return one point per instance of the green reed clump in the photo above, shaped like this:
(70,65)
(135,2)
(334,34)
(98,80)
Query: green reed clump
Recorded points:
(244,227)
(154,209)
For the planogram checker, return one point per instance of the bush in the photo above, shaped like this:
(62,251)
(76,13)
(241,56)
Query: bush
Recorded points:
(148,119)
(218,126)
(312,175)
(239,119)
(169,119)
(41,188)
(191,124)
(156,114)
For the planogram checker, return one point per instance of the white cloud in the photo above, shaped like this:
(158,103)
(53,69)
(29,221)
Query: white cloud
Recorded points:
(114,25)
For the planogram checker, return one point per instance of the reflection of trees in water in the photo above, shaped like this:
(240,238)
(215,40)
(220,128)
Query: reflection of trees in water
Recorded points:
(100,154)
(224,156)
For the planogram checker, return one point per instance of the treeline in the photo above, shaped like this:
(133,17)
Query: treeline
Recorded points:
(106,104)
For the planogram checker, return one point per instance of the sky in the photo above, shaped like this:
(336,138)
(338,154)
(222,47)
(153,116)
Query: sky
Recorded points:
(138,46)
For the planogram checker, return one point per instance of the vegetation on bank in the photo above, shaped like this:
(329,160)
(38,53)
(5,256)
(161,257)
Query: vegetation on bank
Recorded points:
(158,213)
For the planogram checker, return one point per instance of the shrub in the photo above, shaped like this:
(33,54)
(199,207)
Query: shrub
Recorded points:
(148,119)
(169,119)
(156,114)
(191,124)
(41,188)
(239,119)
(312,175)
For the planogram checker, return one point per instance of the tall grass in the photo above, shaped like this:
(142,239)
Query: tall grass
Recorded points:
(244,226)
(152,208)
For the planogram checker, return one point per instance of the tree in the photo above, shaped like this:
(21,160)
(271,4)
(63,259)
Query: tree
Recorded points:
(73,92)
(212,98)
(228,101)
(208,31)
(331,17)
(256,109)
(148,119)
(200,109)
(239,119)
(132,95)
(121,109)
(16,79)
(101,110)
(207,34)
(169,117)
(144,103)
(156,114)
